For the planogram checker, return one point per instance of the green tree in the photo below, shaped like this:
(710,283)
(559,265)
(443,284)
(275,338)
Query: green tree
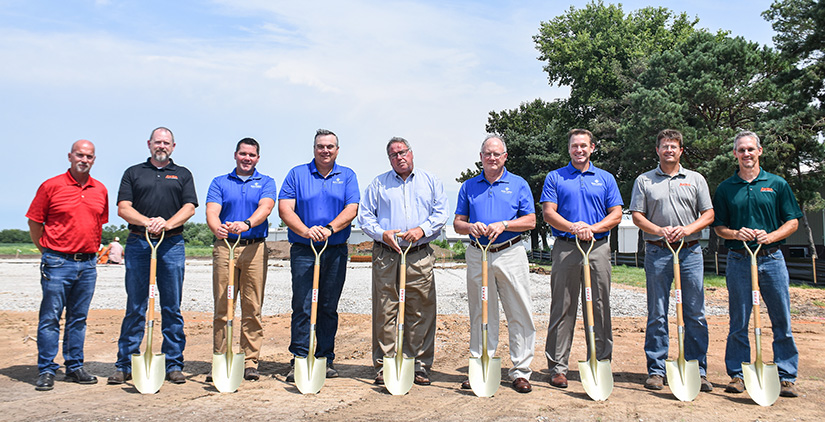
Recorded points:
(14,236)
(111,231)
(197,234)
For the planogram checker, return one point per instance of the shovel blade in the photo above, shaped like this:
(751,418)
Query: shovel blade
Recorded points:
(485,378)
(399,381)
(597,379)
(310,374)
(227,371)
(761,382)
(148,372)
(684,385)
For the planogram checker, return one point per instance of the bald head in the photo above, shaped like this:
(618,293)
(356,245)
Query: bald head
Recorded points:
(81,158)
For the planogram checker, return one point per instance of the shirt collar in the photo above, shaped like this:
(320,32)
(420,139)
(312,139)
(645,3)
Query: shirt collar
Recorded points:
(680,172)
(171,166)
(314,169)
(761,176)
(590,169)
(70,181)
(503,179)
(255,175)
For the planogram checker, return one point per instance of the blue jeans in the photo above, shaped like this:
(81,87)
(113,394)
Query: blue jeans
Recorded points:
(659,275)
(70,284)
(171,257)
(330,285)
(773,284)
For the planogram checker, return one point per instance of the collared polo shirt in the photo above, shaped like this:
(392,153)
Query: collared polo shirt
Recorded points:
(581,196)
(392,203)
(507,198)
(73,215)
(157,192)
(239,199)
(319,199)
(765,203)
(667,200)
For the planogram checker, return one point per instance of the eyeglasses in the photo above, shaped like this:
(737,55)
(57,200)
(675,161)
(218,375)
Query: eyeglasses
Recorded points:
(495,155)
(398,154)
(321,147)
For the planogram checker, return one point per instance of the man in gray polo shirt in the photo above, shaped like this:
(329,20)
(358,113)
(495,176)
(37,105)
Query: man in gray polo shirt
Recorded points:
(671,203)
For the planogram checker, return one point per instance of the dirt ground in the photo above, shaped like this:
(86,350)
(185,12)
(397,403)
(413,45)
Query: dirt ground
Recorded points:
(354,397)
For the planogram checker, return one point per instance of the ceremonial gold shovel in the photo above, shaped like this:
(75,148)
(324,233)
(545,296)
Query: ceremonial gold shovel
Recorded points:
(311,372)
(228,368)
(596,375)
(761,379)
(399,372)
(149,370)
(485,372)
(682,375)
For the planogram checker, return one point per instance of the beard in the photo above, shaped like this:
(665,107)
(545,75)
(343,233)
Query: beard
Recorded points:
(82,168)
(160,156)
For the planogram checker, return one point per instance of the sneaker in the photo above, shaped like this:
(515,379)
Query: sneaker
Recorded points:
(331,372)
(705,386)
(290,377)
(788,389)
(736,386)
(119,377)
(655,382)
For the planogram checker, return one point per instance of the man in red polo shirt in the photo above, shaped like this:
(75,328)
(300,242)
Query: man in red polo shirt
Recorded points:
(65,223)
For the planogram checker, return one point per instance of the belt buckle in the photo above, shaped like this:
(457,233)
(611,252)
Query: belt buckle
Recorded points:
(77,257)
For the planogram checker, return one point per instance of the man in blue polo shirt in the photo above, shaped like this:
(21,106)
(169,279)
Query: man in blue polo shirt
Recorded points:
(495,207)
(757,207)
(317,202)
(579,200)
(238,204)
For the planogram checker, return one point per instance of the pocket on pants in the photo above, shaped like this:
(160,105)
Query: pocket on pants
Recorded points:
(48,262)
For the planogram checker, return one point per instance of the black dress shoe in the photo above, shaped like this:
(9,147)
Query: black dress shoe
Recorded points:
(45,382)
(81,377)
(251,374)
(465,385)
(176,377)
(119,377)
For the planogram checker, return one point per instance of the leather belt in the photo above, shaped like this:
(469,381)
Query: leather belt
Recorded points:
(412,249)
(246,242)
(157,236)
(674,245)
(762,252)
(573,239)
(501,247)
(72,256)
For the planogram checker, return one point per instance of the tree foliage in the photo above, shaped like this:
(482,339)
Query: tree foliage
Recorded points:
(14,236)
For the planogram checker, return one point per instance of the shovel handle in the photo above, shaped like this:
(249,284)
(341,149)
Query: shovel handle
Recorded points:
(484,275)
(588,294)
(153,273)
(677,280)
(757,320)
(230,287)
(316,275)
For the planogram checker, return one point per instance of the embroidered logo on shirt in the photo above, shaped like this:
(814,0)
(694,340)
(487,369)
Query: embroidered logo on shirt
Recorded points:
(506,190)
(338,181)
(256,185)
(766,190)
(684,184)
(596,182)
(172,176)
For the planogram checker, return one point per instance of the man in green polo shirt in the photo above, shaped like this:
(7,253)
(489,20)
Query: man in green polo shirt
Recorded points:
(757,207)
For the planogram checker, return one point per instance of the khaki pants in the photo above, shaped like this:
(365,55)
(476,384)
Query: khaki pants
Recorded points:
(250,280)
(566,283)
(508,279)
(420,309)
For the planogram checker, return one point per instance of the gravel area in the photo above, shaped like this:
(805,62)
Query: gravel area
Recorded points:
(20,289)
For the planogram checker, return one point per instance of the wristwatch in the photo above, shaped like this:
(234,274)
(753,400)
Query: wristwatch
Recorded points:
(506,226)
(329,226)
(248,224)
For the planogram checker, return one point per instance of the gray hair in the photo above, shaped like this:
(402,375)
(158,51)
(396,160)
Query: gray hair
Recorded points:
(324,132)
(161,128)
(398,140)
(488,137)
(745,134)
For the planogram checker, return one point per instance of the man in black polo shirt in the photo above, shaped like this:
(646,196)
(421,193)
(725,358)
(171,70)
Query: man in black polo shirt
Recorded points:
(157,196)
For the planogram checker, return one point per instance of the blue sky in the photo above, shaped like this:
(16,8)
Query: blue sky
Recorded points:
(217,71)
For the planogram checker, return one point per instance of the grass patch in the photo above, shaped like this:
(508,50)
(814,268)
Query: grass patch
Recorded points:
(12,248)
(635,276)
(199,251)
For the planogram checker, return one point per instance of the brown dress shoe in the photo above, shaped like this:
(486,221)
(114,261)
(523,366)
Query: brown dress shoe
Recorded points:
(736,386)
(119,377)
(705,385)
(788,389)
(465,385)
(251,374)
(522,385)
(558,380)
(421,378)
(655,382)
(176,377)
